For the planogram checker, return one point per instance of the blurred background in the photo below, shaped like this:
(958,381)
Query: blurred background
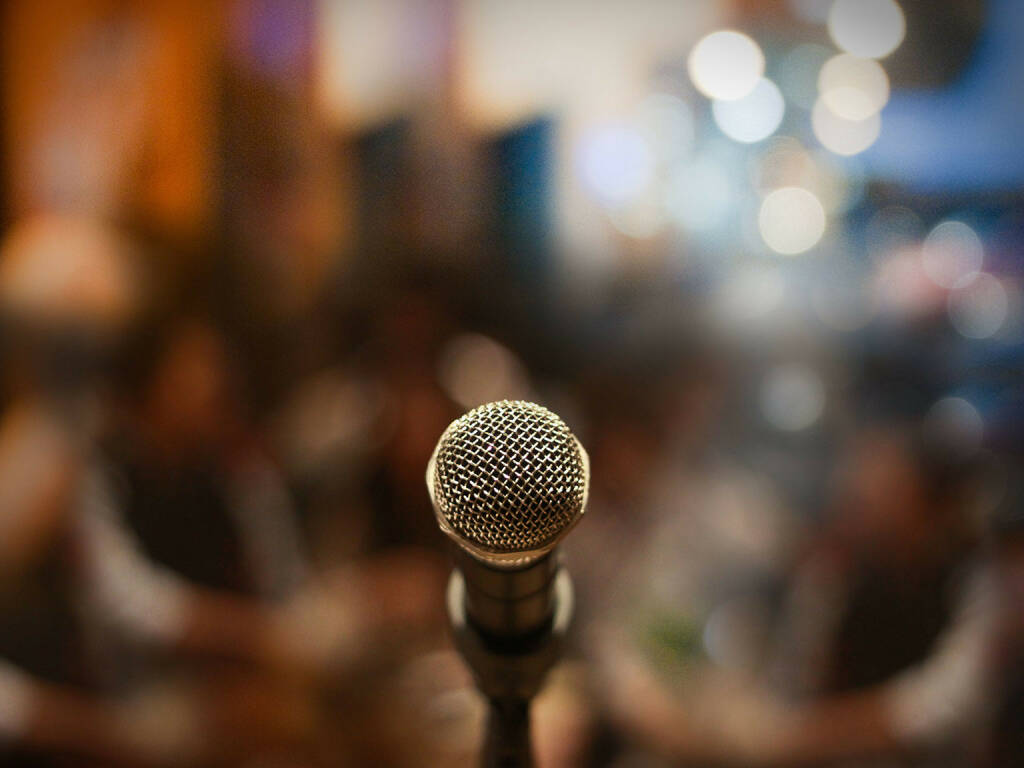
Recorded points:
(764,258)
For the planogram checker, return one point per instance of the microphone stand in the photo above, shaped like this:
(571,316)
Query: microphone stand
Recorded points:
(509,671)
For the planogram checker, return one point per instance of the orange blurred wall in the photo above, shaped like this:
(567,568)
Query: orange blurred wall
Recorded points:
(110,107)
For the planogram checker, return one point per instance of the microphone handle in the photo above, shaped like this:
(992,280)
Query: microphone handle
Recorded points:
(510,606)
(507,739)
(509,673)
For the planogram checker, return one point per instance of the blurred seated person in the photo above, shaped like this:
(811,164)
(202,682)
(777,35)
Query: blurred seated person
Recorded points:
(680,530)
(73,574)
(887,645)
(190,476)
(358,434)
(1005,745)
(411,327)
(65,293)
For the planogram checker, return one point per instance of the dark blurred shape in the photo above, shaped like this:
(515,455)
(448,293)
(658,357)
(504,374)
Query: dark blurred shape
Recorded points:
(180,456)
(903,517)
(939,42)
(1007,741)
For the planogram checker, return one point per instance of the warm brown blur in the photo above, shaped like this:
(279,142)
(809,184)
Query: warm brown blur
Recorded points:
(763,258)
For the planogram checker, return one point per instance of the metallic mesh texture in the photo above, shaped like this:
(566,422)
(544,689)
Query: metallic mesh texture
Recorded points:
(509,477)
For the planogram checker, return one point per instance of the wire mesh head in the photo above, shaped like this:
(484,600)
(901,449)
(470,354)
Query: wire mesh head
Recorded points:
(508,480)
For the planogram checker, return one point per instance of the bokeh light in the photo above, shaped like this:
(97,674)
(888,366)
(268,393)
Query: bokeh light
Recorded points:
(785,162)
(791,220)
(902,289)
(615,163)
(954,424)
(475,369)
(754,292)
(852,87)
(811,11)
(868,28)
(666,122)
(700,194)
(640,220)
(753,117)
(791,397)
(979,309)
(726,65)
(56,267)
(952,254)
(842,136)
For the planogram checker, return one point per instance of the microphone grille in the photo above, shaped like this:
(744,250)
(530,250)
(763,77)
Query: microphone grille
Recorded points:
(508,479)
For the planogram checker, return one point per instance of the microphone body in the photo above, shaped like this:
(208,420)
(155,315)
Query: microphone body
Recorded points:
(508,480)
(508,606)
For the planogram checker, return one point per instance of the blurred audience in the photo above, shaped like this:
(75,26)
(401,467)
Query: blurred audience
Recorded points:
(887,643)
(142,518)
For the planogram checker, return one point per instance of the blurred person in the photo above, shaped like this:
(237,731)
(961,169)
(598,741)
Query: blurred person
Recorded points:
(1005,745)
(625,455)
(357,435)
(196,487)
(677,527)
(888,641)
(66,291)
(404,352)
(896,545)
(327,434)
(650,407)
(207,532)
(71,564)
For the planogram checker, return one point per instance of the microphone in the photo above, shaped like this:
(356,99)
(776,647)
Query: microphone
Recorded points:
(508,481)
